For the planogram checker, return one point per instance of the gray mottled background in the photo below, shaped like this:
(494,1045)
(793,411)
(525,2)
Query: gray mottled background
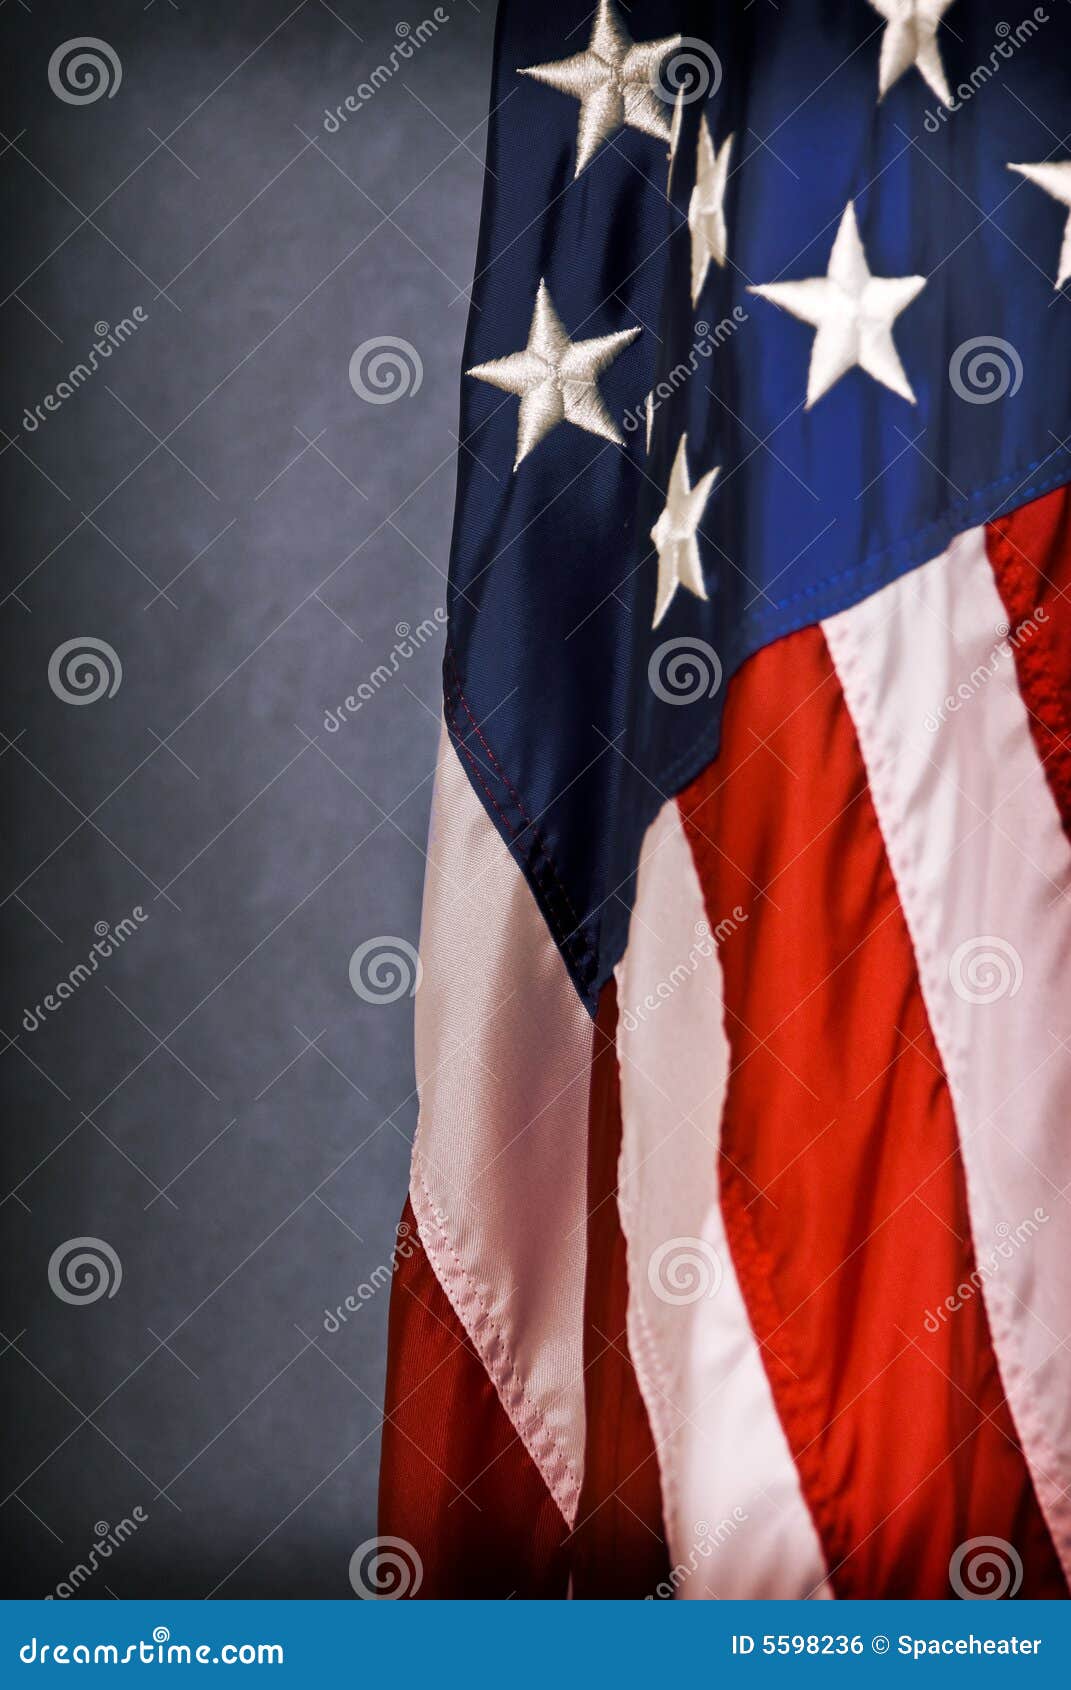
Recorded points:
(215,1105)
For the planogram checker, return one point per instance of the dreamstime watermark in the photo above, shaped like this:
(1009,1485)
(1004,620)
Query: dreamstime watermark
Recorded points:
(407,1245)
(683,971)
(385,1569)
(386,368)
(385,968)
(108,940)
(707,1539)
(409,641)
(704,346)
(84,669)
(84,69)
(109,339)
(984,969)
(1007,44)
(147,1652)
(106,1540)
(1008,641)
(410,40)
(83,1270)
(684,669)
(690,71)
(685,1270)
(1010,1239)
(984,369)
(985,1569)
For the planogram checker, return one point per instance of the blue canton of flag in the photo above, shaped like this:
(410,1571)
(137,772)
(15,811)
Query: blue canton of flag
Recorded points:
(743,278)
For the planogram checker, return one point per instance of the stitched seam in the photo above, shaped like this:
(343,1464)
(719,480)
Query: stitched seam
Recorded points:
(794,1401)
(947,521)
(510,788)
(1038,674)
(581,939)
(584,957)
(954,1061)
(511,1383)
(646,1360)
(695,757)
(491,799)
(803,1422)
(572,936)
(1038,1453)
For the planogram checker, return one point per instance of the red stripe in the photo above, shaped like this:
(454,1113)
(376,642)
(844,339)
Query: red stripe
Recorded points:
(1030,552)
(455,1480)
(619,1545)
(841,1180)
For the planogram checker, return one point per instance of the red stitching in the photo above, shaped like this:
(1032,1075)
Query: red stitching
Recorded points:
(509,786)
(491,799)
(545,1435)
(582,953)
(804,1424)
(570,931)
(1039,676)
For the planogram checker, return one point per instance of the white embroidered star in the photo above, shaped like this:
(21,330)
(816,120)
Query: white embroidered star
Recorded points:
(910,38)
(675,127)
(614,82)
(1056,180)
(853,312)
(556,378)
(706,208)
(674,534)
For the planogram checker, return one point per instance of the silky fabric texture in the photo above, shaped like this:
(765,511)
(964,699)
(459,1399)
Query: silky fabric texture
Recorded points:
(849,1226)
(1030,551)
(503,1058)
(983,871)
(841,1178)
(456,1482)
(737,1524)
(618,1547)
(553,577)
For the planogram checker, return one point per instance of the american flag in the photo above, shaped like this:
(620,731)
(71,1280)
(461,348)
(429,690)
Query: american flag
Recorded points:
(740,1195)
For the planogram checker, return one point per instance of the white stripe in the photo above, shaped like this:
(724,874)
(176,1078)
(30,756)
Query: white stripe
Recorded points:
(736,1521)
(984,871)
(499,1179)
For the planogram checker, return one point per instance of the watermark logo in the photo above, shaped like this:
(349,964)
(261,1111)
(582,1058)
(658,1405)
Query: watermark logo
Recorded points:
(683,670)
(684,970)
(84,69)
(109,339)
(335,1319)
(985,1569)
(1007,44)
(84,669)
(706,343)
(385,968)
(108,939)
(705,1540)
(409,641)
(685,1270)
(985,969)
(985,369)
(1009,1240)
(107,1539)
(1008,641)
(83,1270)
(385,1569)
(410,39)
(692,71)
(158,1650)
(386,368)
